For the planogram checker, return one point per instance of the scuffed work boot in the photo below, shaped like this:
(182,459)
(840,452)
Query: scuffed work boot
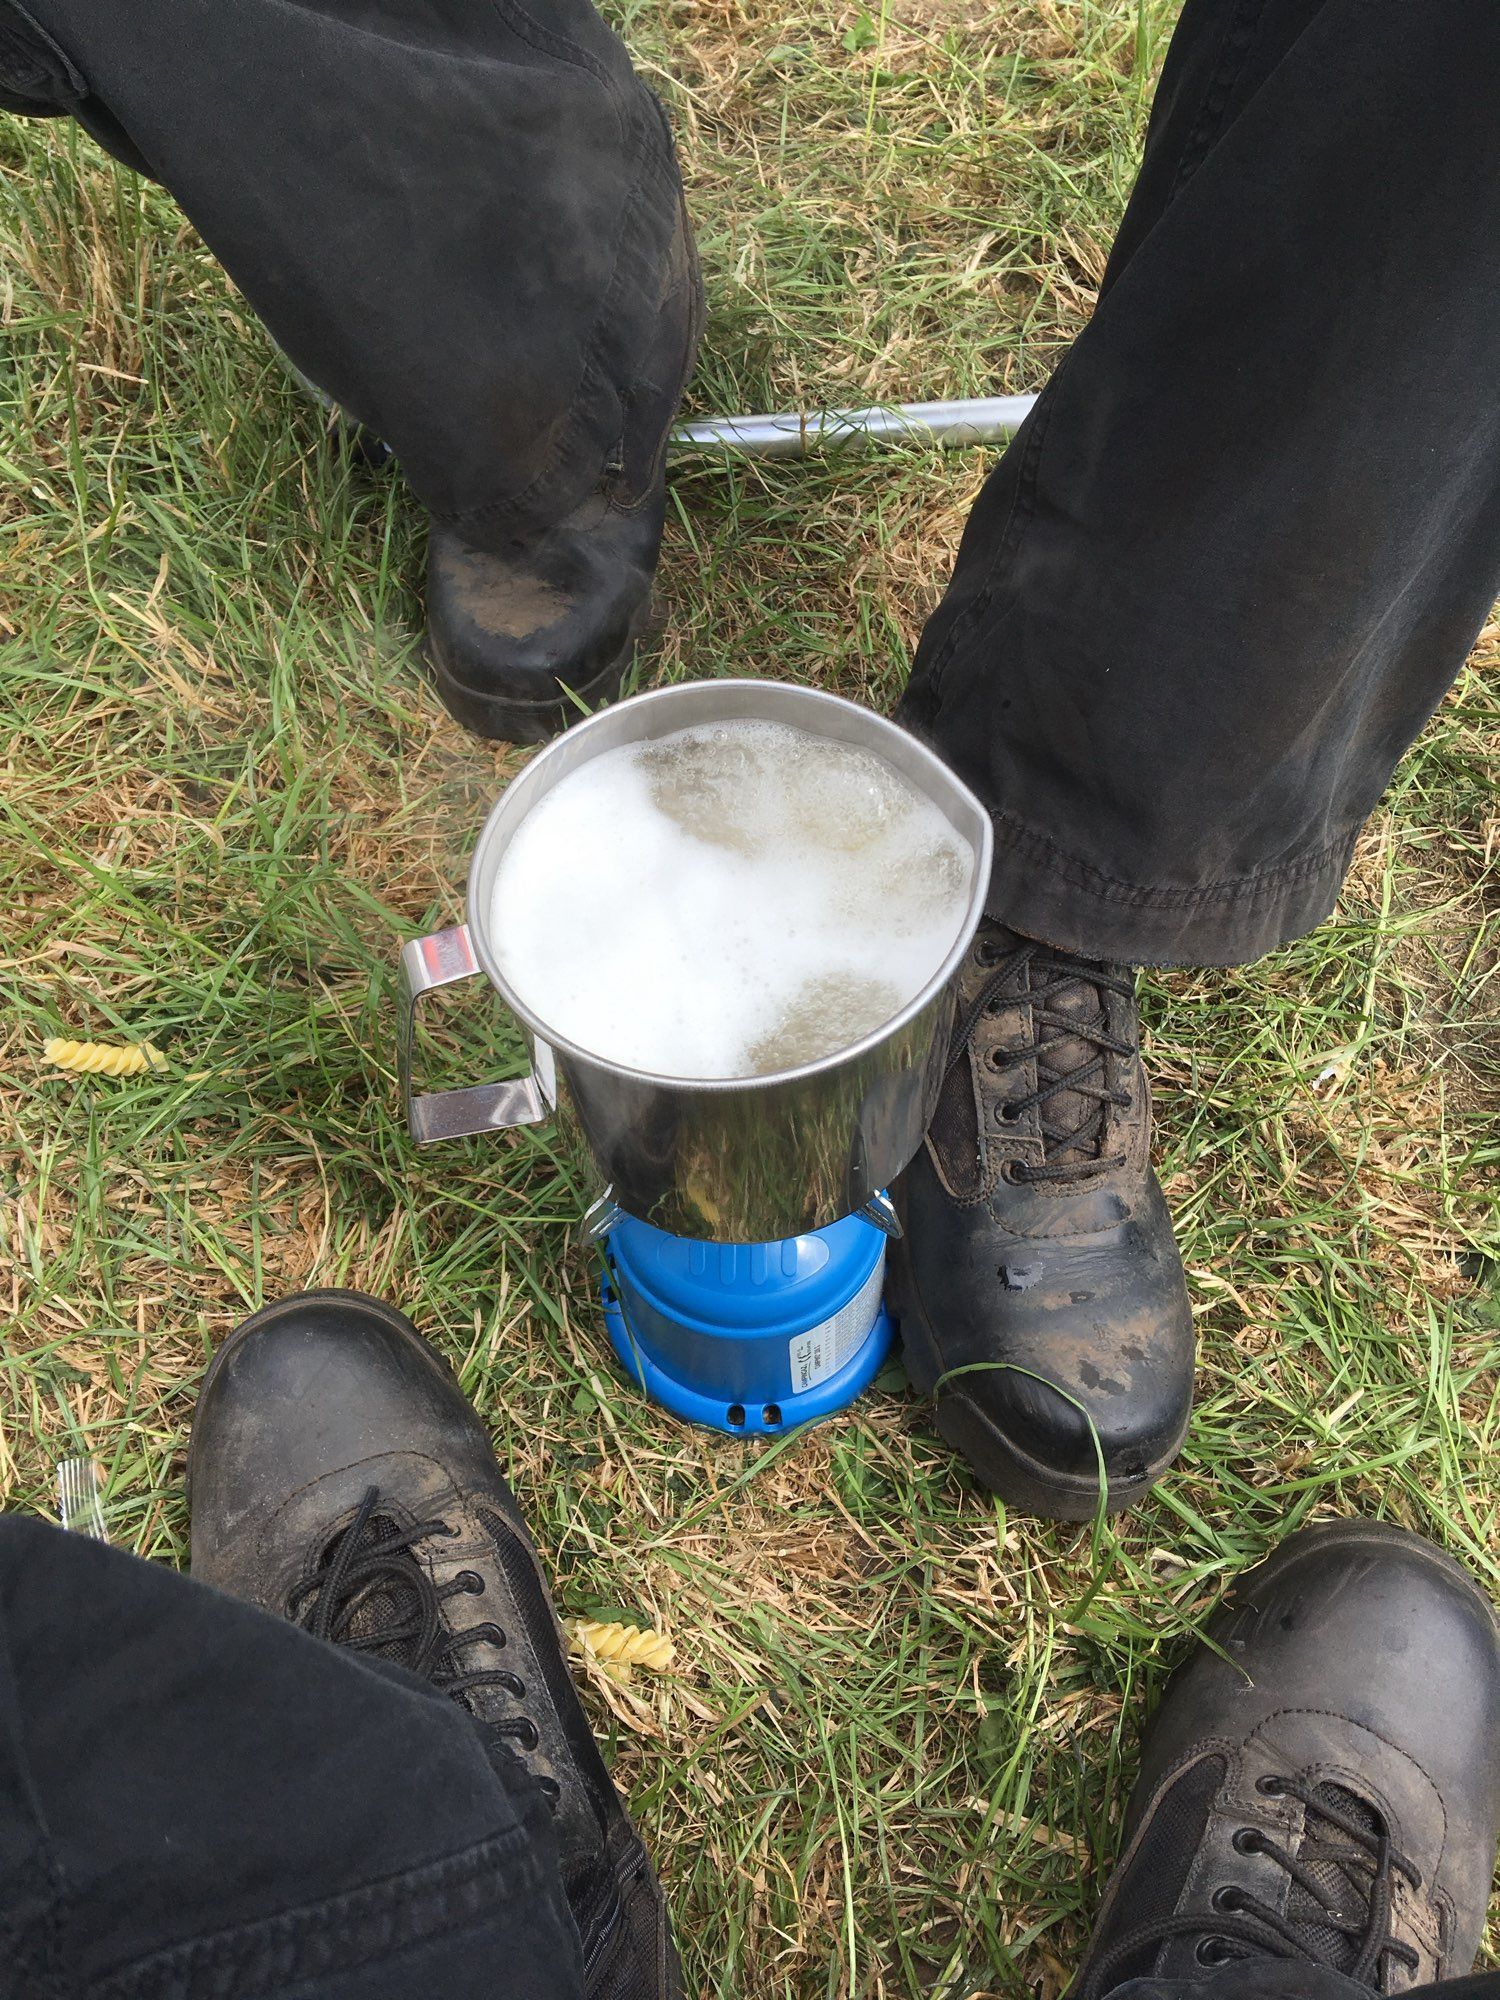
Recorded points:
(339,1478)
(1038,1284)
(1320,1786)
(523,640)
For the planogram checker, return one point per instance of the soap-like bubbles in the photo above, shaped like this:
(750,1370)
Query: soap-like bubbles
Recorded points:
(727,901)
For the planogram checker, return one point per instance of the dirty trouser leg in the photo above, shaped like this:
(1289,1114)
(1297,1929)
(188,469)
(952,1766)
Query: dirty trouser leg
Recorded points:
(199,1800)
(453,215)
(1242,546)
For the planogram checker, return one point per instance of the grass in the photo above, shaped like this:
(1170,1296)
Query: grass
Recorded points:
(896,1755)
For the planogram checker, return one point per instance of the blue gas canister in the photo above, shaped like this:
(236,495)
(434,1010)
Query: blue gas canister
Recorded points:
(749,1338)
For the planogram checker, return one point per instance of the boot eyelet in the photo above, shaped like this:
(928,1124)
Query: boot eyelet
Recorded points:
(533,1735)
(1227,1900)
(1210,1951)
(471,1581)
(1270,1788)
(1247,1841)
(1007,1114)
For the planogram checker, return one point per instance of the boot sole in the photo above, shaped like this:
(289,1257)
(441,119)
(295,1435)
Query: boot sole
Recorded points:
(1018,1479)
(528,718)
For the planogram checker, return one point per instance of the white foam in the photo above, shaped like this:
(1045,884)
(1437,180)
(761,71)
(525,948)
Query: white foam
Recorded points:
(728,901)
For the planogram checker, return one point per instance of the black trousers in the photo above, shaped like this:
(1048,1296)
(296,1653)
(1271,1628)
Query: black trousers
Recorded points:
(1217,584)
(199,1802)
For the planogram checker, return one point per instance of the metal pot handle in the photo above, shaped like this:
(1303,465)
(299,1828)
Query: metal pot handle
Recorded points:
(881,1210)
(443,959)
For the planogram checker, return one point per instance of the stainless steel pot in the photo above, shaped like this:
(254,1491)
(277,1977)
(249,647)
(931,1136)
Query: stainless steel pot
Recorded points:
(741,1160)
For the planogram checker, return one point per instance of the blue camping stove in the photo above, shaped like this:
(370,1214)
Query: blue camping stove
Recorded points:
(749,1338)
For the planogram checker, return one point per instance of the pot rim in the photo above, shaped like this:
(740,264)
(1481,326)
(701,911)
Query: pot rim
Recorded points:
(525,782)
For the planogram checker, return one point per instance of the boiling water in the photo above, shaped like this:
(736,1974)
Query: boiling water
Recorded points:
(731,900)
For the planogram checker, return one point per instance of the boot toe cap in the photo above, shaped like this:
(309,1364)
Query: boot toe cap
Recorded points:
(1084,1400)
(510,636)
(309,1386)
(1359,1647)
(1049,1356)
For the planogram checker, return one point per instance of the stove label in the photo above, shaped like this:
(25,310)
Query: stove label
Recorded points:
(823,1350)
(814,1358)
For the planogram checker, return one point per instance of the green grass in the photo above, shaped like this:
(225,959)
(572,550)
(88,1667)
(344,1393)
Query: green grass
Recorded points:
(895,1757)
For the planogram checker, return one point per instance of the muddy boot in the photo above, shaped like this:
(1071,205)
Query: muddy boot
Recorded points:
(1320,1787)
(524,639)
(339,1478)
(1039,1288)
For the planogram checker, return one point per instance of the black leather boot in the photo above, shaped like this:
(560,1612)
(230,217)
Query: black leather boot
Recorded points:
(1324,1788)
(1038,1285)
(339,1478)
(525,639)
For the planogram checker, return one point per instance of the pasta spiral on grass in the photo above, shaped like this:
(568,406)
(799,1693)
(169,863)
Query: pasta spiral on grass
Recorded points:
(618,1647)
(103,1058)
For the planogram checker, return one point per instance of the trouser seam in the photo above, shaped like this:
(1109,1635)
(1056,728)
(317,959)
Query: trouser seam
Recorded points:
(67,76)
(1238,38)
(525,25)
(33,1948)
(1022,508)
(654,173)
(695,320)
(1237,42)
(1016,836)
(359,1926)
(542,38)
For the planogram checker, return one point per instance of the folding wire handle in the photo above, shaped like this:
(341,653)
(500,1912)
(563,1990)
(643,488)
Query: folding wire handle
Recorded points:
(445,959)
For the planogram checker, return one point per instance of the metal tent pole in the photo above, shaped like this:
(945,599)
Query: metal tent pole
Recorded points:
(796,433)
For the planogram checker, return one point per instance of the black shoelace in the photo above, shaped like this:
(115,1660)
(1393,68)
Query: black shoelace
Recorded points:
(369,1592)
(1242,1926)
(1069,1151)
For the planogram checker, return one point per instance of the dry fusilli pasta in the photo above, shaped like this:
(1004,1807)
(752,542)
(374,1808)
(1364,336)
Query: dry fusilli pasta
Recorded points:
(103,1058)
(618,1648)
